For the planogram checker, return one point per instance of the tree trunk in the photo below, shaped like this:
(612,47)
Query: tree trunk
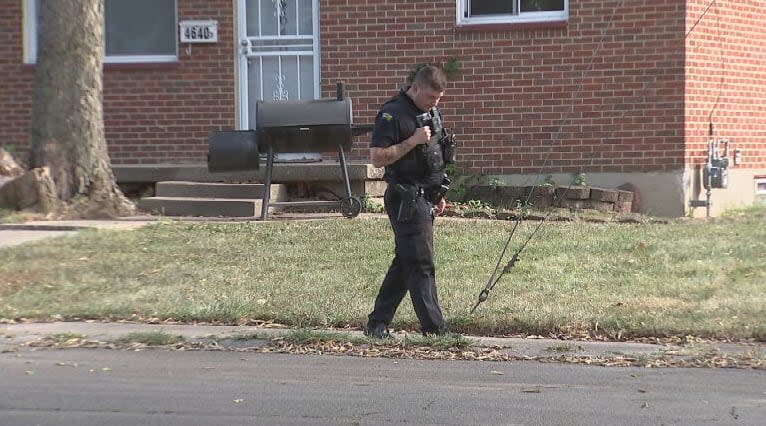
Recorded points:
(34,189)
(67,118)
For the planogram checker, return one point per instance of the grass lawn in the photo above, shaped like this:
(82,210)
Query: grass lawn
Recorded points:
(705,279)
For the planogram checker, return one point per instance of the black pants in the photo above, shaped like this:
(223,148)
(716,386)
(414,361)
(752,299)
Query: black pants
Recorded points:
(412,268)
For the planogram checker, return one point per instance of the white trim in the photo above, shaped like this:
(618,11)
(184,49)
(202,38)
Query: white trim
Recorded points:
(317,56)
(292,53)
(520,18)
(132,59)
(30,31)
(241,61)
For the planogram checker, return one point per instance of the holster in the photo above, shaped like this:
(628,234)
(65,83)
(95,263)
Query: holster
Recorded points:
(434,194)
(408,200)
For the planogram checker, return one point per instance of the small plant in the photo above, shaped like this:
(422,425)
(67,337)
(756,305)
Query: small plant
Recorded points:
(523,207)
(578,179)
(371,206)
(494,182)
(451,67)
(477,205)
(548,181)
(564,347)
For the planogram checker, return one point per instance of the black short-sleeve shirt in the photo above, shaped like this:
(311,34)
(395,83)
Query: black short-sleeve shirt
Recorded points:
(395,123)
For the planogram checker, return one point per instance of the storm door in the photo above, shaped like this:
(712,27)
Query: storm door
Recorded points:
(278,53)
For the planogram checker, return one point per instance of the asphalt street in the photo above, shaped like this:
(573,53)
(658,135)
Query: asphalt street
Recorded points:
(85,387)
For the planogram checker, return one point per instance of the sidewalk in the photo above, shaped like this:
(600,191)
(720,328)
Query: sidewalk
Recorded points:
(18,336)
(12,234)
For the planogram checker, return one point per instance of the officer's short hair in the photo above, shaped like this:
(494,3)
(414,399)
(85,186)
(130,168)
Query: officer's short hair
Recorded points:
(431,76)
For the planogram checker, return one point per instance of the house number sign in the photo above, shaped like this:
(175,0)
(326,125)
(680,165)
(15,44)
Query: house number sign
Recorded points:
(198,31)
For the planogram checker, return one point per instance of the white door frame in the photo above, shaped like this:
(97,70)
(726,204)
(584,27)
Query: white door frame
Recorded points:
(244,51)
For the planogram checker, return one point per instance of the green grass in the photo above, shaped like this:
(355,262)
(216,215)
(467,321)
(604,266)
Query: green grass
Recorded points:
(564,347)
(683,278)
(150,338)
(309,337)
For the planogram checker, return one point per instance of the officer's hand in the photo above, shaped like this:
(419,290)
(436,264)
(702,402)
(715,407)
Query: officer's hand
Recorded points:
(422,135)
(440,206)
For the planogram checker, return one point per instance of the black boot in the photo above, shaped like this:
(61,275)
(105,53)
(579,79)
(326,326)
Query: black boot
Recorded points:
(377,330)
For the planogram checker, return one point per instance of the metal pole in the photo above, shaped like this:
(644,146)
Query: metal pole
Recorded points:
(267,184)
(342,158)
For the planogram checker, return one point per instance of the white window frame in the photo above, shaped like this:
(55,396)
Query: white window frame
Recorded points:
(463,7)
(759,182)
(30,41)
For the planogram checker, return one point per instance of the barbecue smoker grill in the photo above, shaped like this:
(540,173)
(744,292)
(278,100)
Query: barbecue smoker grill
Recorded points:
(322,125)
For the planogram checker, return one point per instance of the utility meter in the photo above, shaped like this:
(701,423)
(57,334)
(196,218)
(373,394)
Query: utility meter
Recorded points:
(716,171)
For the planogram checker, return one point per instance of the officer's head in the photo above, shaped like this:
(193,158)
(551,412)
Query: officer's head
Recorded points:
(428,87)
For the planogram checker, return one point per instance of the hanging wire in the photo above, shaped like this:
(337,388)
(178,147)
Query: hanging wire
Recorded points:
(497,273)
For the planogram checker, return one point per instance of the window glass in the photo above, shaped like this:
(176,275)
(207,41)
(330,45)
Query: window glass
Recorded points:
(140,27)
(491,7)
(541,5)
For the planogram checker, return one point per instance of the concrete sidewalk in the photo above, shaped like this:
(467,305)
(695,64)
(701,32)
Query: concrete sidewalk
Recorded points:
(13,234)
(21,333)
(14,336)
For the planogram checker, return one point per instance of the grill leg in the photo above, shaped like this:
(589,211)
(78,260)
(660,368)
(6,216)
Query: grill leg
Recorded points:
(267,184)
(344,170)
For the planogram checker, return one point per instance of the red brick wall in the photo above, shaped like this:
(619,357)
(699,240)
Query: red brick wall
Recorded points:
(516,84)
(726,78)
(152,112)
(15,81)
(513,91)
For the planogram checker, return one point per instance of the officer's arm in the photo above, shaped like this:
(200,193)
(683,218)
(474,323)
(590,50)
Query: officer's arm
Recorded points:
(381,157)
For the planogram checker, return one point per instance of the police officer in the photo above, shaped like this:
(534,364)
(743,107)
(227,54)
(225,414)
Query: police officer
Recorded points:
(413,168)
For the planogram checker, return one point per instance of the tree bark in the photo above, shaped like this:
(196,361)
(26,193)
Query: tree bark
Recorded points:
(67,118)
(32,190)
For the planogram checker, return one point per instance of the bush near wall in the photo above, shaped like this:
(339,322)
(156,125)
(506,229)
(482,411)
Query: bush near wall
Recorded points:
(541,197)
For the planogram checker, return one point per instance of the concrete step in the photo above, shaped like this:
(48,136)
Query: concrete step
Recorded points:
(186,189)
(325,170)
(205,207)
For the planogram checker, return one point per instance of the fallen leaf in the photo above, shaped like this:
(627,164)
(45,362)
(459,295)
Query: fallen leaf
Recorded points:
(498,373)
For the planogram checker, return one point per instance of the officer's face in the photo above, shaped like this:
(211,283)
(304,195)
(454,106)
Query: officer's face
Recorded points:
(425,97)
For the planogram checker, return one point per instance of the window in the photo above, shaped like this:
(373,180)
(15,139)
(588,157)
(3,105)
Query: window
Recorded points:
(760,185)
(134,30)
(511,11)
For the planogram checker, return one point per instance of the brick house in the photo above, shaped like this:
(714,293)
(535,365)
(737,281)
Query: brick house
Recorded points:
(620,90)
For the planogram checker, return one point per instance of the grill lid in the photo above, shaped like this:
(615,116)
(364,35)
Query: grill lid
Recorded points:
(320,112)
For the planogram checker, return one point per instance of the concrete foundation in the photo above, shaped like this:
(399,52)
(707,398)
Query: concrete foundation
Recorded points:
(666,194)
